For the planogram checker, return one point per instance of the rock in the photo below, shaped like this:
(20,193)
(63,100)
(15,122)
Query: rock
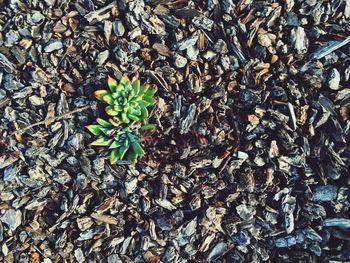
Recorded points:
(249,97)
(102,57)
(11,38)
(300,40)
(325,193)
(79,255)
(203,22)
(334,80)
(185,43)
(287,241)
(12,218)
(245,212)
(118,28)
(180,61)
(37,17)
(53,46)
(220,47)
(76,141)
(36,100)
(241,238)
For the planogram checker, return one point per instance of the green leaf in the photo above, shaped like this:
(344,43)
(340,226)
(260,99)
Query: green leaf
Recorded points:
(115,144)
(117,108)
(103,123)
(119,89)
(143,89)
(101,142)
(122,151)
(124,80)
(99,94)
(150,92)
(111,112)
(127,142)
(108,99)
(106,131)
(125,118)
(94,129)
(114,156)
(144,112)
(132,137)
(137,111)
(115,121)
(137,148)
(136,87)
(133,117)
(112,84)
(149,126)
(149,100)
(143,104)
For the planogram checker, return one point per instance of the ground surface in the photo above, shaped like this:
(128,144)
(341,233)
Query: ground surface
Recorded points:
(250,158)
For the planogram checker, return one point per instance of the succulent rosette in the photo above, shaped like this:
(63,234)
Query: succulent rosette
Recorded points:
(127,99)
(127,103)
(121,141)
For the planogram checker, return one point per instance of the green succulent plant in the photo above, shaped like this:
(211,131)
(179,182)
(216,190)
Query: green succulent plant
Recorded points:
(127,100)
(127,103)
(121,141)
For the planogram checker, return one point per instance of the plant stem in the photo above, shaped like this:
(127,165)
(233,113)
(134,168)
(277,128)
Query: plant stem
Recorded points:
(60,117)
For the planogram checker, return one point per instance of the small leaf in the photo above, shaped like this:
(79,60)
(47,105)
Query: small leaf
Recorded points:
(101,142)
(114,156)
(94,129)
(127,143)
(144,112)
(137,148)
(150,92)
(132,137)
(149,100)
(133,117)
(122,151)
(125,81)
(117,108)
(108,99)
(106,131)
(149,126)
(103,123)
(115,121)
(143,89)
(111,112)
(125,119)
(119,88)
(115,144)
(112,84)
(136,86)
(99,94)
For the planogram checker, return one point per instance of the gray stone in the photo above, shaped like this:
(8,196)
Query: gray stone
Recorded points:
(334,80)
(53,45)
(11,38)
(180,61)
(325,193)
(12,218)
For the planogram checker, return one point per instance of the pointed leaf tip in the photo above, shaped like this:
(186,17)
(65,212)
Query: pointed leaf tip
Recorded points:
(114,156)
(101,142)
(99,94)
(94,129)
(112,83)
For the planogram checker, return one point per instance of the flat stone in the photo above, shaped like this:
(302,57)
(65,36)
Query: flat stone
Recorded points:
(53,45)
(12,218)
(36,100)
(325,193)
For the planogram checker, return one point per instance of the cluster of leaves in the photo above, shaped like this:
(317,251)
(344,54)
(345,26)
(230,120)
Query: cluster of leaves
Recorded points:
(127,103)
